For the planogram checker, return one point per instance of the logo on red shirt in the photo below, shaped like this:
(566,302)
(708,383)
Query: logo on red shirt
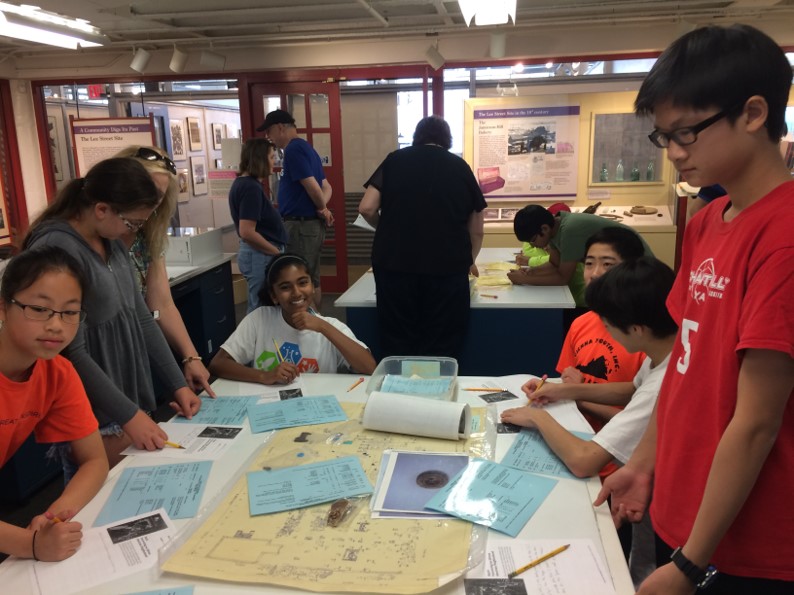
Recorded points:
(705,282)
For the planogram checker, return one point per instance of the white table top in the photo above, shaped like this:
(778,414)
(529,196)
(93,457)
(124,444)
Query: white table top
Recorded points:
(566,513)
(362,293)
(179,273)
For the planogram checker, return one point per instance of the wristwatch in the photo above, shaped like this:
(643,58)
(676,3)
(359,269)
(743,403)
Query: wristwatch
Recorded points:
(699,577)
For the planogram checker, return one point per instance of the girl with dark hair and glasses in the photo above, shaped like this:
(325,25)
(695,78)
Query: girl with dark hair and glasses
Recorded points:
(119,345)
(41,302)
(147,246)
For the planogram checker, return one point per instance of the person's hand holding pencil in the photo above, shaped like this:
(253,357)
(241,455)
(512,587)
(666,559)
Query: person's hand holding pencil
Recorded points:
(55,536)
(540,392)
(531,387)
(284,373)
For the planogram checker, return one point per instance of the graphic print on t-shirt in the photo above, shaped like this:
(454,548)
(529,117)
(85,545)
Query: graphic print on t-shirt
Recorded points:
(596,368)
(267,360)
(289,352)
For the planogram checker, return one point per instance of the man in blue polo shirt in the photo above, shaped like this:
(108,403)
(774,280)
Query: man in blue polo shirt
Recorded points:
(303,192)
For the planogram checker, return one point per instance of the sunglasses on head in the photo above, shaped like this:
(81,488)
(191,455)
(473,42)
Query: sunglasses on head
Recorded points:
(152,155)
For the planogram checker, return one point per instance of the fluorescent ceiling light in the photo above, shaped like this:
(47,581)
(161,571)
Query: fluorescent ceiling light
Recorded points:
(31,24)
(488,12)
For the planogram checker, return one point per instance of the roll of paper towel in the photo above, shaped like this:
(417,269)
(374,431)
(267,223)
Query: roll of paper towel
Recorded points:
(417,416)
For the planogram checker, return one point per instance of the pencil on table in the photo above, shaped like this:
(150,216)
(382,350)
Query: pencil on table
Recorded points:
(543,558)
(490,390)
(355,384)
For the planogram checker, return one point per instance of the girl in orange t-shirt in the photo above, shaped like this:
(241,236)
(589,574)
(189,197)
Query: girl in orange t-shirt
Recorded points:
(40,301)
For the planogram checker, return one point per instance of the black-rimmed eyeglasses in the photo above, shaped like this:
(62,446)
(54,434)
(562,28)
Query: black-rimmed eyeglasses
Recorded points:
(686,135)
(151,155)
(41,313)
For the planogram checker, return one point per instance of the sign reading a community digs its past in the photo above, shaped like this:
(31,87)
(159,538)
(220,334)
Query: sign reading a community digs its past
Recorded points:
(96,139)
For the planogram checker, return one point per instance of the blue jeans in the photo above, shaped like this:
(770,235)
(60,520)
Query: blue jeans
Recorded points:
(253,265)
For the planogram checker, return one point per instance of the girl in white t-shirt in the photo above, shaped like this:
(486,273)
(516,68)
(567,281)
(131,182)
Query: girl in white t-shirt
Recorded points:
(286,337)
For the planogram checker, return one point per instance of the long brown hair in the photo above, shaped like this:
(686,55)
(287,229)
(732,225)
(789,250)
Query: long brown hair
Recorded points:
(121,183)
(254,158)
(154,231)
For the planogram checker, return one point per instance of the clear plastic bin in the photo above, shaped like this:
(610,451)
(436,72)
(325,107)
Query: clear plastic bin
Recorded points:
(422,369)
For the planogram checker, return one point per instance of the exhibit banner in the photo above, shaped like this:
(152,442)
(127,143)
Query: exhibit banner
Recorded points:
(529,152)
(96,139)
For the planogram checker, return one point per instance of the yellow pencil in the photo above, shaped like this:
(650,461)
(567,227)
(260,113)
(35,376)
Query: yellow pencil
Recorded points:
(173,444)
(279,357)
(490,390)
(534,563)
(355,384)
(542,380)
(56,520)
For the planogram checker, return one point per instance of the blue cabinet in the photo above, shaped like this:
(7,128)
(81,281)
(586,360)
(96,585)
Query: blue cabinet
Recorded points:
(206,303)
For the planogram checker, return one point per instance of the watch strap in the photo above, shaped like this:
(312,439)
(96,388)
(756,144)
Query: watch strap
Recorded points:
(698,576)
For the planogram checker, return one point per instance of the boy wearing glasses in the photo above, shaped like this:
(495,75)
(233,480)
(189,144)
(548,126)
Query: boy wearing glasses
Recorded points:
(719,451)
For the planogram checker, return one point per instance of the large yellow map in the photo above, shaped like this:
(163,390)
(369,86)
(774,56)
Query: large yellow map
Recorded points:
(297,549)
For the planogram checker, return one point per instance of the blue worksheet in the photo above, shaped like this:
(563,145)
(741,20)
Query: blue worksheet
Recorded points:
(294,412)
(393,383)
(223,411)
(530,453)
(493,495)
(177,488)
(306,485)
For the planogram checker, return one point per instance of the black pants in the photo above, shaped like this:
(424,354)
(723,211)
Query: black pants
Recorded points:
(422,314)
(728,584)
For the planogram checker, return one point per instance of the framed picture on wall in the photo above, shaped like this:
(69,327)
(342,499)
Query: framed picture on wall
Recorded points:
(621,152)
(508,214)
(217,136)
(177,141)
(198,170)
(491,214)
(194,134)
(183,183)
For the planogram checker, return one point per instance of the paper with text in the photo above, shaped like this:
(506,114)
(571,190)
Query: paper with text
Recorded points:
(177,488)
(306,485)
(493,495)
(529,452)
(223,411)
(199,442)
(294,412)
(115,550)
(579,570)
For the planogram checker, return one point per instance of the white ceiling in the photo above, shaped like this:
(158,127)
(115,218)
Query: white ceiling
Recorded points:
(236,27)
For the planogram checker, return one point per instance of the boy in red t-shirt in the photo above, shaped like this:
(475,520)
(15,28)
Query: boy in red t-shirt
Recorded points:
(718,454)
